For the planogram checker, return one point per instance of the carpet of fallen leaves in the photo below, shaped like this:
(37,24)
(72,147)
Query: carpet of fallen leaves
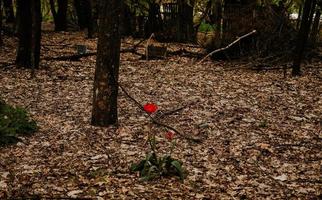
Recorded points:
(259,134)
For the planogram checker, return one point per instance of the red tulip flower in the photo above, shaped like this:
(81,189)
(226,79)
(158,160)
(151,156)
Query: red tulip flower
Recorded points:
(150,108)
(169,135)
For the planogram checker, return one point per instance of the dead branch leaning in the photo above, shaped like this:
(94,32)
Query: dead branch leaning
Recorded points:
(226,47)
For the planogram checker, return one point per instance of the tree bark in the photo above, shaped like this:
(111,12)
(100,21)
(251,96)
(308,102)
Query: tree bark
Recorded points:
(8,8)
(104,112)
(185,21)
(89,17)
(94,5)
(1,42)
(85,16)
(154,22)
(29,33)
(315,27)
(60,16)
(298,21)
(36,33)
(80,12)
(302,37)
(126,21)
(24,33)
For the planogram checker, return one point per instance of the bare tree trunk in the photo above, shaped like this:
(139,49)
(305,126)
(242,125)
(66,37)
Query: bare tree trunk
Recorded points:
(94,4)
(8,8)
(154,22)
(60,16)
(24,33)
(90,19)
(29,33)
(302,37)
(104,111)
(315,28)
(1,42)
(185,21)
(80,12)
(84,15)
(36,33)
(299,17)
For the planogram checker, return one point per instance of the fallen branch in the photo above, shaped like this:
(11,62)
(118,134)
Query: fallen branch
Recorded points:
(155,121)
(74,57)
(185,53)
(162,115)
(226,47)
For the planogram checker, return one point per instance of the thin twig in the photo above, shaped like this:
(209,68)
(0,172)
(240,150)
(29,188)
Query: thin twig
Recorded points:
(226,47)
(162,115)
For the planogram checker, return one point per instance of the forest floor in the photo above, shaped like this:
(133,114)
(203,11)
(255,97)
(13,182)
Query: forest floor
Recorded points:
(259,133)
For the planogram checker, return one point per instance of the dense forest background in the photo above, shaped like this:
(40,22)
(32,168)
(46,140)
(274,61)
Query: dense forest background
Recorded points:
(168,99)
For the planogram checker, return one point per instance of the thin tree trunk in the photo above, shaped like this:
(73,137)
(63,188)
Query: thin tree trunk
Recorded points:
(36,33)
(84,15)
(315,27)
(29,33)
(185,21)
(154,22)
(1,42)
(24,33)
(8,8)
(302,37)
(299,17)
(89,18)
(104,111)
(80,12)
(94,5)
(60,16)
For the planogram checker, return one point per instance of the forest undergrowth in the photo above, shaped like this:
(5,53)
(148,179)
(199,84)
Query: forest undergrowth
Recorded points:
(258,133)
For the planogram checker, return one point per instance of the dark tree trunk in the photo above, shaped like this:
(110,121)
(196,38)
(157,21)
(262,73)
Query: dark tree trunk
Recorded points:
(36,33)
(185,21)
(315,27)
(1,42)
(88,14)
(84,15)
(60,16)
(126,21)
(94,4)
(104,111)
(8,8)
(24,33)
(298,21)
(80,11)
(154,22)
(29,33)
(302,37)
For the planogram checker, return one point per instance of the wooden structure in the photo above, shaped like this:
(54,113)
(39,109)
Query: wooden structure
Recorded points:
(154,49)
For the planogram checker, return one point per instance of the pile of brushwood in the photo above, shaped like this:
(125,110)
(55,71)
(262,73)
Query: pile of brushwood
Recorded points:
(14,122)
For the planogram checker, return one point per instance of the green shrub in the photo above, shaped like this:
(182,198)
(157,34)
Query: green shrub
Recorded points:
(205,27)
(14,122)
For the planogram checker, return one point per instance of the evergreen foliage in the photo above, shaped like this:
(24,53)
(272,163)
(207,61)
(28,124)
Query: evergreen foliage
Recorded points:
(14,122)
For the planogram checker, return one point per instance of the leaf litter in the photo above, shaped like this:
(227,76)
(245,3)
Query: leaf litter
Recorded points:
(260,133)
